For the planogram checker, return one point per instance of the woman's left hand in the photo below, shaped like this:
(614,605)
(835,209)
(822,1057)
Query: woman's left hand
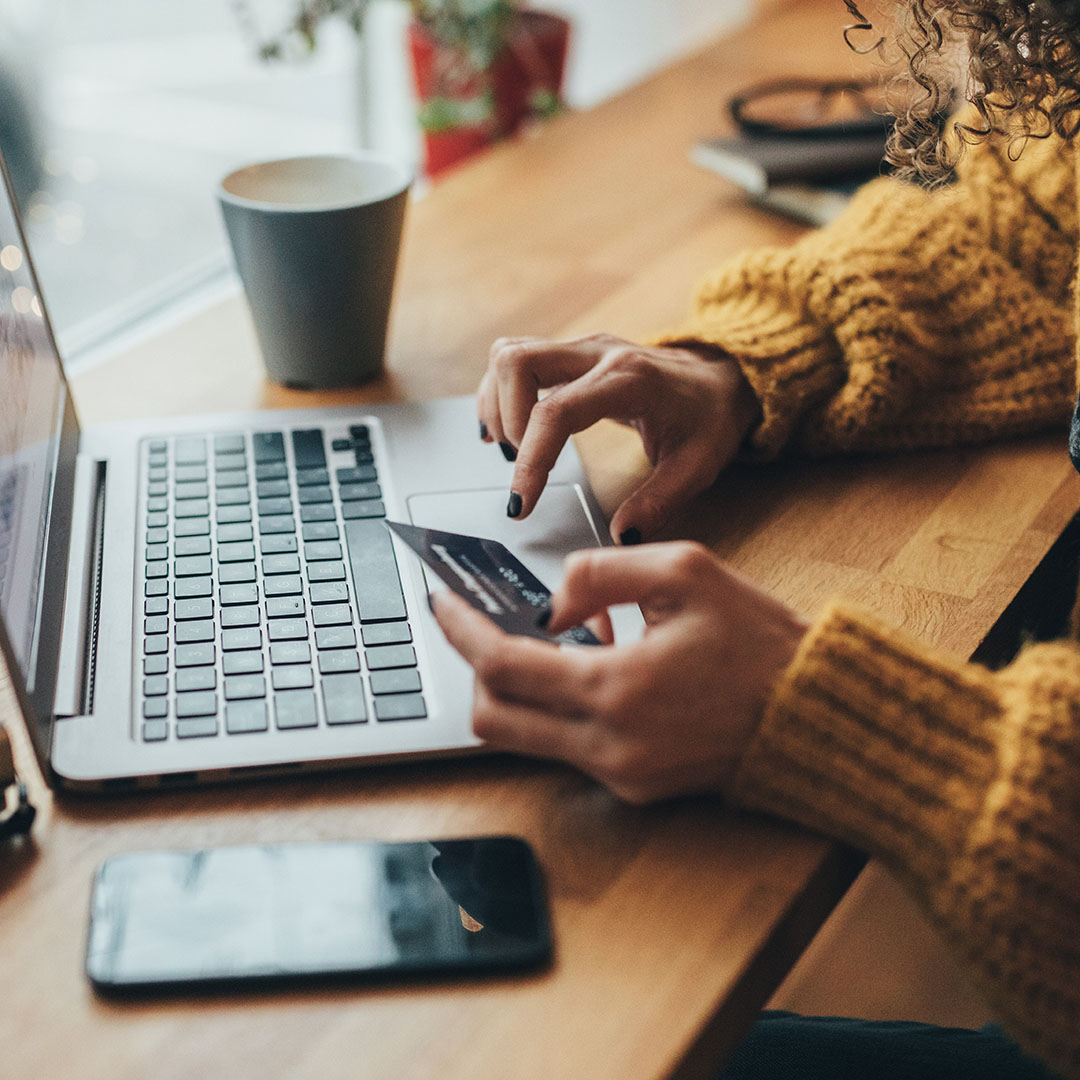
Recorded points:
(667,715)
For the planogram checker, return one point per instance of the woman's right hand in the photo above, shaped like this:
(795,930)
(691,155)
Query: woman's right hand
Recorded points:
(691,410)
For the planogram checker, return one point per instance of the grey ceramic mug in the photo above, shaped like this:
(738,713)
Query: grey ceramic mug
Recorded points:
(316,244)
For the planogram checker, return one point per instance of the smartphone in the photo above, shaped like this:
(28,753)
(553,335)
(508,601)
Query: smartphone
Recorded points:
(248,915)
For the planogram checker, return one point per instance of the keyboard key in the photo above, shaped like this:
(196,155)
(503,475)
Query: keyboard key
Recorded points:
(156,665)
(284,607)
(306,496)
(200,727)
(230,515)
(338,660)
(187,474)
(293,677)
(335,637)
(278,544)
(267,446)
(290,652)
(186,588)
(342,444)
(270,489)
(248,615)
(155,730)
(154,644)
(200,608)
(197,630)
(322,549)
(192,527)
(230,462)
(156,473)
(320,530)
(195,489)
(194,655)
(248,637)
(361,474)
(189,451)
(311,477)
(225,480)
(332,615)
(243,717)
(228,534)
(196,703)
(277,523)
(295,709)
(308,452)
(157,552)
(238,594)
(157,446)
(400,707)
(157,570)
(283,585)
(193,566)
(158,520)
(363,456)
(389,633)
(156,624)
(390,656)
(155,685)
(157,536)
(374,571)
(242,663)
(356,492)
(227,444)
(241,552)
(343,697)
(360,433)
(329,592)
(158,487)
(155,708)
(274,507)
(287,629)
(238,687)
(356,511)
(156,588)
(271,470)
(192,545)
(192,508)
(326,571)
(236,573)
(157,503)
(398,681)
(196,678)
(281,564)
(233,496)
(321,512)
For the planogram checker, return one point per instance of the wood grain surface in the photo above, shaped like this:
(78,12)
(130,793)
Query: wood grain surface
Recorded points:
(673,924)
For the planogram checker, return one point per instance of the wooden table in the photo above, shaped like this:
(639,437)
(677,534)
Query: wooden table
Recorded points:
(674,923)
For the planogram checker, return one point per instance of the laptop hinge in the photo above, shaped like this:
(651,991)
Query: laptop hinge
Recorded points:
(78,642)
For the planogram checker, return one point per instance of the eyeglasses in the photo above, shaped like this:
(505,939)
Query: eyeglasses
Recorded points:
(807,107)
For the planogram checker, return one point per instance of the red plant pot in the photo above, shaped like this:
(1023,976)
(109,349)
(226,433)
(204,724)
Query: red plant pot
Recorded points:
(530,66)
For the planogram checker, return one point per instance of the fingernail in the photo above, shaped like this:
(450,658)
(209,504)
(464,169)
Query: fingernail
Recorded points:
(483,430)
(544,617)
(508,451)
(629,537)
(513,507)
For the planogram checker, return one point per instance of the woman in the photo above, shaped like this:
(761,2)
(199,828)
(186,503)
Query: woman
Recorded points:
(929,315)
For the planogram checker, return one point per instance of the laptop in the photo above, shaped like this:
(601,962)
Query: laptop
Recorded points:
(213,598)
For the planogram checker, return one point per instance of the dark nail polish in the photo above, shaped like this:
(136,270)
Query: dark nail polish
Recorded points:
(629,537)
(513,507)
(483,430)
(544,617)
(508,451)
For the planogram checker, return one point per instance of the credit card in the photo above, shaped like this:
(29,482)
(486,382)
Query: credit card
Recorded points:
(491,579)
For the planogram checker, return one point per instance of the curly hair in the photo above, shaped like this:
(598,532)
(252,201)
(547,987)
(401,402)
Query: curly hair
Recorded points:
(1021,73)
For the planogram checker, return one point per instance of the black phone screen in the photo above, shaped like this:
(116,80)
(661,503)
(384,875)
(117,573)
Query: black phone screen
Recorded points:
(164,919)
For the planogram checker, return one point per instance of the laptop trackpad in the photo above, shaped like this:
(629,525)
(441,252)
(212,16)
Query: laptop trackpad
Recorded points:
(559,524)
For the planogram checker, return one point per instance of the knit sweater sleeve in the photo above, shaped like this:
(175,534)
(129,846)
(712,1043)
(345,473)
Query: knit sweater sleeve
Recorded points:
(916,319)
(962,780)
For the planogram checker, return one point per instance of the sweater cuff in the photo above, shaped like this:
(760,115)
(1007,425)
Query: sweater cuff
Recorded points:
(873,740)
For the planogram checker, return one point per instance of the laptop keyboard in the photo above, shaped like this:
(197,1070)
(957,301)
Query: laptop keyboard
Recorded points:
(271,598)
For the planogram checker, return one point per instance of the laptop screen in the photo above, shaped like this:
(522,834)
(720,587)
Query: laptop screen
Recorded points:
(32,402)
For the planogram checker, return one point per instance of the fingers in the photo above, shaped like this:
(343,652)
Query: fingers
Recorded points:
(677,478)
(662,578)
(522,729)
(521,669)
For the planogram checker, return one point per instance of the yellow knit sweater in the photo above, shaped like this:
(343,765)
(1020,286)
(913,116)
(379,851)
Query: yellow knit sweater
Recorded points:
(924,319)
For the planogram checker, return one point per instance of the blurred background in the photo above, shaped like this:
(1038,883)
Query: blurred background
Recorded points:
(118,118)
